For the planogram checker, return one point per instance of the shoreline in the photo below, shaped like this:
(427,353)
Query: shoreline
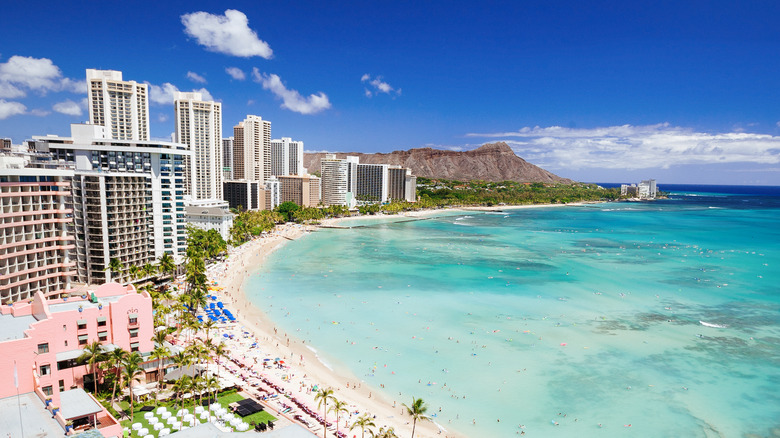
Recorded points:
(305,367)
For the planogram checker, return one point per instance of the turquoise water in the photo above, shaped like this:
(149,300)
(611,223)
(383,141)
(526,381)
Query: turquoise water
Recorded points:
(584,316)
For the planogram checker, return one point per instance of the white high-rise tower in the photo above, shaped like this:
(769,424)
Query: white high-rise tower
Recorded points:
(122,107)
(252,149)
(286,157)
(199,125)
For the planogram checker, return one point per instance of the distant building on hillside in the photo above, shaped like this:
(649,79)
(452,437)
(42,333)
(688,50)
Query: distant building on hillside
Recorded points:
(644,190)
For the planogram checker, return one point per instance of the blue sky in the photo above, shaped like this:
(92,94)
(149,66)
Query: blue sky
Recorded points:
(685,92)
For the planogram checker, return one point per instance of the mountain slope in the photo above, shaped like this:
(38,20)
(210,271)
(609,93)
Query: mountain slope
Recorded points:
(490,162)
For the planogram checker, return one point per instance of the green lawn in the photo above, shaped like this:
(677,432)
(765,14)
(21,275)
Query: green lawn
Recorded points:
(224,400)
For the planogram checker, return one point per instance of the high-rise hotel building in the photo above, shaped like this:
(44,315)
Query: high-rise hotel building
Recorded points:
(128,199)
(252,149)
(302,190)
(286,157)
(122,107)
(227,159)
(339,180)
(371,186)
(199,125)
(36,239)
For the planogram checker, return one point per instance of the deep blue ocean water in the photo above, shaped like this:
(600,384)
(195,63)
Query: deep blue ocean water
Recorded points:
(653,319)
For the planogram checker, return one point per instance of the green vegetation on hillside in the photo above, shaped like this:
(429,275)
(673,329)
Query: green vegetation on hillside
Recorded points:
(440,193)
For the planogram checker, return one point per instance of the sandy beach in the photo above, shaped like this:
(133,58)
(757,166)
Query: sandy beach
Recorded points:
(303,371)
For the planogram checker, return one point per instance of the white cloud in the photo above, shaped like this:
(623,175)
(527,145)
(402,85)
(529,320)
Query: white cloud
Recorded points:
(22,73)
(229,34)
(778,124)
(636,147)
(68,107)
(194,77)
(78,87)
(291,99)
(37,112)
(32,73)
(235,73)
(163,94)
(10,91)
(8,109)
(378,85)
(162,117)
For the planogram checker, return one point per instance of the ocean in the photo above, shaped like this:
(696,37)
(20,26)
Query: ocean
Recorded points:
(657,319)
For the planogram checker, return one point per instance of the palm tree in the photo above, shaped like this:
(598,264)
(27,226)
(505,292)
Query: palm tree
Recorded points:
(208,326)
(211,383)
(417,411)
(117,357)
(160,353)
(220,350)
(338,408)
(132,373)
(93,354)
(322,397)
(385,433)
(149,270)
(160,336)
(135,271)
(115,266)
(363,422)
(167,265)
(180,387)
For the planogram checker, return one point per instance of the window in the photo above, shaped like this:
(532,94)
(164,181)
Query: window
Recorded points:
(102,336)
(135,346)
(43,348)
(133,318)
(81,324)
(134,333)
(82,339)
(45,370)
(47,390)
(101,321)
(62,385)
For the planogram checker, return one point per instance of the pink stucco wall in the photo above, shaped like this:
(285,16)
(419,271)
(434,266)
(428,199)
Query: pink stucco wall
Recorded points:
(59,330)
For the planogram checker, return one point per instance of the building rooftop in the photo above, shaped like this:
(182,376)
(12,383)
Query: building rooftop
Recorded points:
(74,305)
(13,327)
(29,409)
(76,404)
(206,211)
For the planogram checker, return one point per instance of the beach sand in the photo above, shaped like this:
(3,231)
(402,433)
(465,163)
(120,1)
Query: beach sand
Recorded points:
(305,370)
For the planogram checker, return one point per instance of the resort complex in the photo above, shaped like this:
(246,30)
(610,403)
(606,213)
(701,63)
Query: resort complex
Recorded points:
(123,266)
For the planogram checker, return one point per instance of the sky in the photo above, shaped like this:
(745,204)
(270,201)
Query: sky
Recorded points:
(599,91)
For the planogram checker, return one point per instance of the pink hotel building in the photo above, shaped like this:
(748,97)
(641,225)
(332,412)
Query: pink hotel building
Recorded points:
(41,340)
